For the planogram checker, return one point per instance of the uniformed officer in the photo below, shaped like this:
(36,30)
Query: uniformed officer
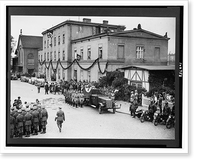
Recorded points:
(19,123)
(60,117)
(28,122)
(44,117)
(12,124)
(35,114)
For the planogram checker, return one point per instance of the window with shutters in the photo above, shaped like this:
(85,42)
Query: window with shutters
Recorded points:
(75,54)
(120,52)
(48,56)
(58,55)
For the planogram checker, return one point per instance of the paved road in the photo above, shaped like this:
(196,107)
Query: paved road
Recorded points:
(87,122)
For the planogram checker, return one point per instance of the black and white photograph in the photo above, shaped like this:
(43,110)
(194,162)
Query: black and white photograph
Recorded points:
(94,76)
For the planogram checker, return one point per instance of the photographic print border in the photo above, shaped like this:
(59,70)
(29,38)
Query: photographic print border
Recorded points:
(150,10)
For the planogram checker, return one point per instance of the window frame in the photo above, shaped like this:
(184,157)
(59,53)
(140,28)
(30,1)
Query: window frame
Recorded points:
(118,51)
(100,49)
(140,51)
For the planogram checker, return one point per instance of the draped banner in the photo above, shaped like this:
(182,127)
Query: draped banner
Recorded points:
(50,63)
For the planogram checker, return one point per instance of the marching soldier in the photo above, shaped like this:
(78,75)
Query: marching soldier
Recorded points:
(19,123)
(28,122)
(35,114)
(60,118)
(44,117)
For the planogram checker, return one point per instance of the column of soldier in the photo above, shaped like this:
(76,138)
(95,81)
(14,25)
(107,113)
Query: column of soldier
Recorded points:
(27,119)
(74,97)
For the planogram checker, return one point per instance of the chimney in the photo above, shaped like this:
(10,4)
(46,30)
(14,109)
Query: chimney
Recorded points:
(86,20)
(20,31)
(105,22)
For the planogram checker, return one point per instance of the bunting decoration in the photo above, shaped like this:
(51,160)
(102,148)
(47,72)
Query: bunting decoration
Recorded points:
(50,63)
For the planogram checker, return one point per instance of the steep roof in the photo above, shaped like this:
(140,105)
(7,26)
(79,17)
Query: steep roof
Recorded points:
(135,33)
(30,41)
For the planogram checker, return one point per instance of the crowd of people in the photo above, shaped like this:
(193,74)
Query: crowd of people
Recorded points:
(27,118)
(159,101)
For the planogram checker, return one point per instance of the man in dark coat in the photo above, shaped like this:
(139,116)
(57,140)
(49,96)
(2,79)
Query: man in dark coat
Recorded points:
(60,117)
(43,117)
(20,123)
(28,122)
(46,88)
(35,114)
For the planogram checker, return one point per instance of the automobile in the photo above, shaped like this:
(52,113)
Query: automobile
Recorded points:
(94,98)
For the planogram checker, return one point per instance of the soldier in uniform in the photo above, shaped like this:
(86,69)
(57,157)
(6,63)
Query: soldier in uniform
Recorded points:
(28,122)
(23,113)
(35,114)
(81,99)
(44,117)
(76,98)
(60,117)
(19,123)
(39,109)
(12,124)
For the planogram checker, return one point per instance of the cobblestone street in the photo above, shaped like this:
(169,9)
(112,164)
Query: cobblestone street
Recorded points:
(86,122)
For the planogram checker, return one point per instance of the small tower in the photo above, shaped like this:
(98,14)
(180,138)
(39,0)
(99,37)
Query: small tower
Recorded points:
(20,31)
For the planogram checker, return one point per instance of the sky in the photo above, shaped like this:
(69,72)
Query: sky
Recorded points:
(35,25)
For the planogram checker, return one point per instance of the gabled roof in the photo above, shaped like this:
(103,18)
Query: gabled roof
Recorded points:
(135,33)
(30,41)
